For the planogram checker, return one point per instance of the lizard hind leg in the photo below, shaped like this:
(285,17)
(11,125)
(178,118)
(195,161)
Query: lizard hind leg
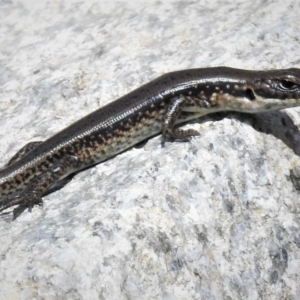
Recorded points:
(23,152)
(24,200)
(32,195)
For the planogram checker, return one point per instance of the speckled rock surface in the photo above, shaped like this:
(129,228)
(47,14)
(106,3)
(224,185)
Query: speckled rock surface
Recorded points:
(214,218)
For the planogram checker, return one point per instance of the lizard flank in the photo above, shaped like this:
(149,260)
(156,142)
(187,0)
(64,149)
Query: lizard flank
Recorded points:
(156,107)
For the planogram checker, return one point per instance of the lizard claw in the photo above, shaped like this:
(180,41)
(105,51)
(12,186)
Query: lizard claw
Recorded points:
(24,200)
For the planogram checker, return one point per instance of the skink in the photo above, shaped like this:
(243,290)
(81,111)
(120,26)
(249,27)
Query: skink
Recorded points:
(155,107)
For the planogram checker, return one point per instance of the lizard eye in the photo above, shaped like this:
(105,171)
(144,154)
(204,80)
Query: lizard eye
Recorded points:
(287,84)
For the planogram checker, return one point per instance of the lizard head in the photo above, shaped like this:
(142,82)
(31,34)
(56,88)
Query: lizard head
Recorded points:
(276,89)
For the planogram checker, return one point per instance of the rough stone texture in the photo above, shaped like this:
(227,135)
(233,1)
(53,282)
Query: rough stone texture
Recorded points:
(215,218)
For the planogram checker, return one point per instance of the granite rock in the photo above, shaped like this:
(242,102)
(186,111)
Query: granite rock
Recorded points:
(213,218)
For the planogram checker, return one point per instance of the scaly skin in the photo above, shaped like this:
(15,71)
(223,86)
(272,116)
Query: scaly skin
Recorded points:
(155,107)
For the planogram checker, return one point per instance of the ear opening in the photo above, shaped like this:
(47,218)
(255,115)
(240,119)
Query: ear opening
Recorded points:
(251,94)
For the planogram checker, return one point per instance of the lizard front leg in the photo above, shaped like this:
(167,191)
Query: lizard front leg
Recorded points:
(173,111)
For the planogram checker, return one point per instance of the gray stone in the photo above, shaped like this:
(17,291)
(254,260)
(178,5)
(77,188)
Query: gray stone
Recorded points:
(213,218)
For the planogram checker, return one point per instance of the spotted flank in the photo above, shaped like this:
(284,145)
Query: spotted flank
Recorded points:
(156,107)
